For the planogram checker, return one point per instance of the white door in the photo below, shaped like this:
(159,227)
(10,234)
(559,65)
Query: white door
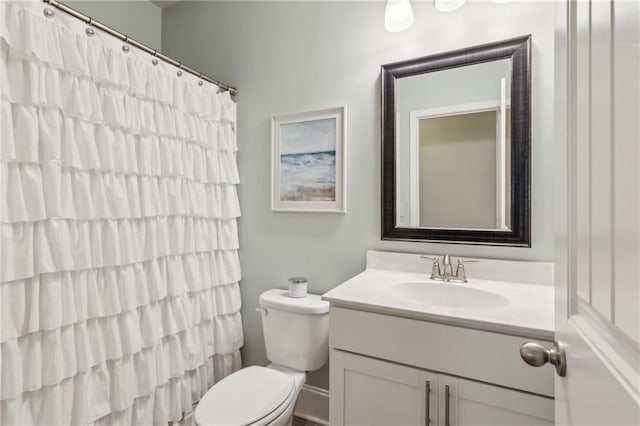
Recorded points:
(598,211)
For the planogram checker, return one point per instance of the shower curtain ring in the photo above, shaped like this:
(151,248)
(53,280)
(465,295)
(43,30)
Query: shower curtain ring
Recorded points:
(179,73)
(125,47)
(154,61)
(90,31)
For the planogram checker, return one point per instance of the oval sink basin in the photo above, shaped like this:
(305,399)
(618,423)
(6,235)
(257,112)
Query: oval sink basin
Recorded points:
(448,295)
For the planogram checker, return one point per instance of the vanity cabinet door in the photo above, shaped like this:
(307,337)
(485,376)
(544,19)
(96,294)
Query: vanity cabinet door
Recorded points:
(367,391)
(473,403)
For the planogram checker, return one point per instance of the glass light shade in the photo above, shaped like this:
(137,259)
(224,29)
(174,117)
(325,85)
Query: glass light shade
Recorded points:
(448,5)
(398,15)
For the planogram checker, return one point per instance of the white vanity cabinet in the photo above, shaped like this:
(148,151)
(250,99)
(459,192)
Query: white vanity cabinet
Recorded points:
(388,370)
(368,391)
(475,403)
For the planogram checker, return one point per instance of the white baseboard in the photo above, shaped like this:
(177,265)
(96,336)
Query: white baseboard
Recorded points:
(313,405)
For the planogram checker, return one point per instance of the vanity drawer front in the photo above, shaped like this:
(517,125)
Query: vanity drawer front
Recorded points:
(480,355)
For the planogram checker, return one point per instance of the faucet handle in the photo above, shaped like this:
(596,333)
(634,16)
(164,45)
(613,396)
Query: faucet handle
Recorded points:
(460,272)
(435,269)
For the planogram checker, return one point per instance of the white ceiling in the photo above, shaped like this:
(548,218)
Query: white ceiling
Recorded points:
(165,3)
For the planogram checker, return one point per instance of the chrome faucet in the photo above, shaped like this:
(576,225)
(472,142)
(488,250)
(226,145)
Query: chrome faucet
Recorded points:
(446,272)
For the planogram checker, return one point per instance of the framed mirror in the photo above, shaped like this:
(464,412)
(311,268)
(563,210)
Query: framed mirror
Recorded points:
(456,146)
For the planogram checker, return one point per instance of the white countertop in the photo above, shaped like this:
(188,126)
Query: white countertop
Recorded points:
(524,309)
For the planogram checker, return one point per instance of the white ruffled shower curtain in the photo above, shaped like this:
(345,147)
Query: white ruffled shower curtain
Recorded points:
(119,264)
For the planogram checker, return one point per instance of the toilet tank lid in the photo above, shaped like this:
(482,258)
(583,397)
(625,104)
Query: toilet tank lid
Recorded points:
(312,304)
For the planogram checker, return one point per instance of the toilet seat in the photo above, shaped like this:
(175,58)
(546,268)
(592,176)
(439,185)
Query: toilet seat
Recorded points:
(251,396)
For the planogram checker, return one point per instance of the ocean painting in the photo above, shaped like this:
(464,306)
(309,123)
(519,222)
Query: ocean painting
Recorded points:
(308,160)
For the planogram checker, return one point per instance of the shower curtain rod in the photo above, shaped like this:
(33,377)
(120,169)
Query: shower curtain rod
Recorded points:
(88,20)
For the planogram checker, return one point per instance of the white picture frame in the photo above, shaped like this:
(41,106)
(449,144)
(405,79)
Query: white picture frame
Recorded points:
(309,161)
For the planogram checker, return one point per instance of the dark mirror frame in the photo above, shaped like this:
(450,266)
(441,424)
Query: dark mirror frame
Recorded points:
(519,51)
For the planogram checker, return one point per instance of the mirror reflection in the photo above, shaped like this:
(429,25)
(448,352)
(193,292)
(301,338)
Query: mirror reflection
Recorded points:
(453,148)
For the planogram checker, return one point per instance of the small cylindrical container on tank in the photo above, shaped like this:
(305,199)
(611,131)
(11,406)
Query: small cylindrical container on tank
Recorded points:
(297,287)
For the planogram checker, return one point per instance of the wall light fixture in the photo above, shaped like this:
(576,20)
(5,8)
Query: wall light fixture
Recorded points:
(398,15)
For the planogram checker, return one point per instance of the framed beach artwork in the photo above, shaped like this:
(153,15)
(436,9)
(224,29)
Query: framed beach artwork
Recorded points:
(309,164)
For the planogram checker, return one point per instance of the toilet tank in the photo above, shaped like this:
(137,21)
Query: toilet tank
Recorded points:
(296,330)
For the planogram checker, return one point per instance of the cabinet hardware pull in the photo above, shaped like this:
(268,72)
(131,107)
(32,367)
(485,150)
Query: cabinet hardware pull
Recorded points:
(427,419)
(447,392)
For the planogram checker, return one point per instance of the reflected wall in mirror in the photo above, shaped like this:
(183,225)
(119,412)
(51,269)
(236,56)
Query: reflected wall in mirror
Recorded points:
(456,146)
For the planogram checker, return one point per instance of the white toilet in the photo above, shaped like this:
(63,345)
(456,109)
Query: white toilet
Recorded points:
(296,335)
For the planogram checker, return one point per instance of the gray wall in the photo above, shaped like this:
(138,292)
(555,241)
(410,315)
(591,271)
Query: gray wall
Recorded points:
(299,56)
(138,19)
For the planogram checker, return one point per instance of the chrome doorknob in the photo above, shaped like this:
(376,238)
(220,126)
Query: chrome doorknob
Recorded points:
(535,354)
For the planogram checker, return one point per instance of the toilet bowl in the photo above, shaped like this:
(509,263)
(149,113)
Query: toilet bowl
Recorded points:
(296,332)
(253,396)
